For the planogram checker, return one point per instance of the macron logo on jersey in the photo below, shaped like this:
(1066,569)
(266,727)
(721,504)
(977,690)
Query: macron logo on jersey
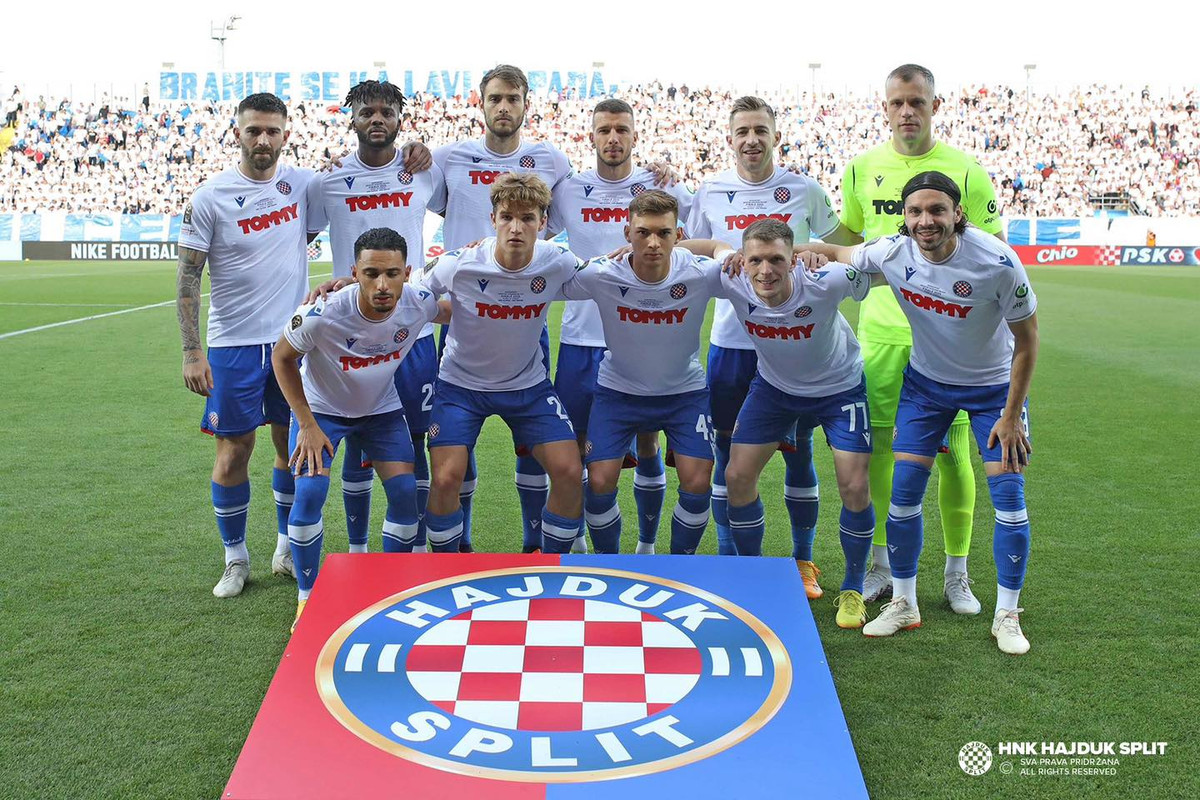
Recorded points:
(605,214)
(241,201)
(349,182)
(355,362)
(637,315)
(370,202)
(587,191)
(485,176)
(264,221)
(509,312)
(780,331)
(742,221)
(935,305)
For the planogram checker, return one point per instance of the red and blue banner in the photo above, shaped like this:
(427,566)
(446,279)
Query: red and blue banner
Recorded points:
(574,677)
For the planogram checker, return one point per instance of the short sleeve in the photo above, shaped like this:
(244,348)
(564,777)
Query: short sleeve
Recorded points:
(302,329)
(852,215)
(196,228)
(1015,293)
(869,257)
(697,222)
(316,219)
(439,196)
(980,200)
(439,273)
(822,219)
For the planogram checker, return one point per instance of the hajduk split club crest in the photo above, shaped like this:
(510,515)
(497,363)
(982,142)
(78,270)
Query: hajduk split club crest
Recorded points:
(553,674)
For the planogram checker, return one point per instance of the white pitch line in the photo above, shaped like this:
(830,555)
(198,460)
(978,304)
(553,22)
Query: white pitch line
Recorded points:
(105,314)
(71,305)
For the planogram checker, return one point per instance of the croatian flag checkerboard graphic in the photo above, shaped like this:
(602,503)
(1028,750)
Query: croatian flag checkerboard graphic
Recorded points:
(515,676)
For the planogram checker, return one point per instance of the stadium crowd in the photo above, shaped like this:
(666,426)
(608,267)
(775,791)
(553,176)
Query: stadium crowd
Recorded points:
(1047,153)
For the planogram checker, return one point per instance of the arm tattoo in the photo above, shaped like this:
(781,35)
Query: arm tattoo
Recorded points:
(187,299)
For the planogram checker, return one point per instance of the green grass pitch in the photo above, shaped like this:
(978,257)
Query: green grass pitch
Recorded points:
(122,677)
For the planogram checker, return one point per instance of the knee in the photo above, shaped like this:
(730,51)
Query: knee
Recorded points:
(856,492)
(233,454)
(739,480)
(566,471)
(601,478)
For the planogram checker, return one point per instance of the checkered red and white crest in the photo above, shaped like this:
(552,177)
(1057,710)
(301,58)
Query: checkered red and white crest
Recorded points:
(803,311)
(527,162)
(637,189)
(962,289)
(553,664)
(314,250)
(678,291)
(283,187)
(434,430)
(1109,255)
(404,176)
(400,335)
(783,194)
(537,285)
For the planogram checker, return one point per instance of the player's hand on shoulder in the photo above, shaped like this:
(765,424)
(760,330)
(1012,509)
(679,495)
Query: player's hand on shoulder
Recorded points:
(306,458)
(197,374)
(809,260)
(1015,447)
(619,253)
(333,162)
(417,157)
(664,173)
(732,262)
(322,291)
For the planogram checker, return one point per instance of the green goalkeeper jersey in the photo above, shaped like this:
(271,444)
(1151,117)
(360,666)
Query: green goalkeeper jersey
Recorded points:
(871,206)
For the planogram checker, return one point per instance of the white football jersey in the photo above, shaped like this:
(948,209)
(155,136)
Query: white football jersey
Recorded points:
(805,346)
(652,330)
(350,361)
(354,198)
(594,213)
(494,341)
(254,235)
(470,170)
(726,205)
(958,308)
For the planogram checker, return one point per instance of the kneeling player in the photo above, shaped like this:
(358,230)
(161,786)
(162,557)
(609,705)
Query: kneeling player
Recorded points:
(810,373)
(351,344)
(652,309)
(492,364)
(975,342)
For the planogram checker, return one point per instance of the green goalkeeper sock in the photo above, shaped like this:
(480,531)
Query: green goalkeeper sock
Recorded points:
(956,491)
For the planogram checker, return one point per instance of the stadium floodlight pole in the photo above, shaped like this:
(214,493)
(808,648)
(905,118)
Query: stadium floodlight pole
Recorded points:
(812,88)
(221,33)
(1029,68)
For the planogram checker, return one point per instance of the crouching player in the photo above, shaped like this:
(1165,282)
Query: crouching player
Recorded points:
(351,344)
(652,309)
(492,365)
(975,342)
(810,373)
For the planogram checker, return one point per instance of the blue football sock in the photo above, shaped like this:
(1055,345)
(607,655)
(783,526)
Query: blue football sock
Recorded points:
(905,525)
(800,495)
(748,526)
(400,523)
(649,489)
(283,485)
(603,517)
(306,529)
(357,483)
(444,530)
(465,494)
(1010,543)
(689,521)
(857,529)
(533,487)
(558,533)
(421,473)
(720,498)
(231,504)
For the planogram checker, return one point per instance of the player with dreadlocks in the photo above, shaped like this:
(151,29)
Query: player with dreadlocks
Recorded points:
(373,187)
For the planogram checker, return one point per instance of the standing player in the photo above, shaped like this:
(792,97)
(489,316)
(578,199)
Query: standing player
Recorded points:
(810,371)
(652,308)
(725,206)
(371,188)
(493,362)
(593,207)
(871,207)
(350,344)
(975,343)
(471,168)
(248,224)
